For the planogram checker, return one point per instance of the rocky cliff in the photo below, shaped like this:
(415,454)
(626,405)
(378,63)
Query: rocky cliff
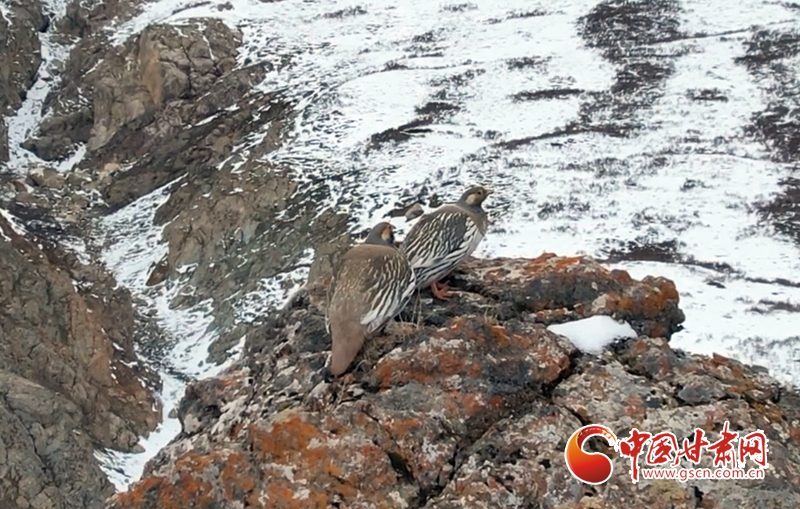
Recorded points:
(70,379)
(69,375)
(467,403)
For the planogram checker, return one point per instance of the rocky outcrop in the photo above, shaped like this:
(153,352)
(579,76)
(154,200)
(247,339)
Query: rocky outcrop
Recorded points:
(20,24)
(86,17)
(466,403)
(69,377)
(162,100)
(173,104)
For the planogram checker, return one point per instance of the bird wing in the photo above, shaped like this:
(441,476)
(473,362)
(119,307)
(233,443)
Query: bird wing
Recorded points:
(388,284)
(440,241)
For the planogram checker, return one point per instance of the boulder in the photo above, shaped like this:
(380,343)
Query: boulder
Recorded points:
(86,17)
(140,94)
(46,177)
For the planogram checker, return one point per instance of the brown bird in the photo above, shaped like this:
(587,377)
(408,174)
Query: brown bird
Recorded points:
(440,241)
(372,285)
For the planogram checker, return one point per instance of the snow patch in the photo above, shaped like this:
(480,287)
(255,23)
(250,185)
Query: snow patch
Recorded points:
(124,468)
(723,316)
(26,120)
(591,335)
(15,223)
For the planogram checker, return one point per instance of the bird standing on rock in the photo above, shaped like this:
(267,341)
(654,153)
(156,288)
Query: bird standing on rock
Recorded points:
(443,239)
(372,285)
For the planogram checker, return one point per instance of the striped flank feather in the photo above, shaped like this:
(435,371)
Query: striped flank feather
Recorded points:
(439,243)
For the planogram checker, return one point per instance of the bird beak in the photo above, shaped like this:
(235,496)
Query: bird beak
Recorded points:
(488,190)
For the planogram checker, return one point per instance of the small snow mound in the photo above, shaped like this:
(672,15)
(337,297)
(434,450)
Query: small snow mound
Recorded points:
(592,334)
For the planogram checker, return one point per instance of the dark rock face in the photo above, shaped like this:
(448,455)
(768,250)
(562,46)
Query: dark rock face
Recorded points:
(21,55)
(67,375)
(3,142)
(47,460)
(170,105)
(467,403)
(173,103)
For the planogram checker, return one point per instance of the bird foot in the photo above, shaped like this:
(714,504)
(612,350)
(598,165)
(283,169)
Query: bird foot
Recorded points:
(440,291)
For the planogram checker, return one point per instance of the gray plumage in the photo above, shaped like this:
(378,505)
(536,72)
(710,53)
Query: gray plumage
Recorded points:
(372,285)
(440,241)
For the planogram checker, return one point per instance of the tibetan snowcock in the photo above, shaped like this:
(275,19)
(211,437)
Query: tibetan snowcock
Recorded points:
(373,284)
(440,241)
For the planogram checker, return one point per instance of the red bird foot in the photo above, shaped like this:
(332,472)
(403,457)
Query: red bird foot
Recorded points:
(440,291)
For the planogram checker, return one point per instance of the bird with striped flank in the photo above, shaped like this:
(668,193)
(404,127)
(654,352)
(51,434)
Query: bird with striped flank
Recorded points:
(373,284)
(440,241)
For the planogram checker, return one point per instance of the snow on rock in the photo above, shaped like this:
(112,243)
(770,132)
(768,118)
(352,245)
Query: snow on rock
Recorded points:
(25,121)
(593,334)
(15,223)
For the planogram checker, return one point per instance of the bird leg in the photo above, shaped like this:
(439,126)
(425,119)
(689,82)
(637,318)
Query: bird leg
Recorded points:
(439,290)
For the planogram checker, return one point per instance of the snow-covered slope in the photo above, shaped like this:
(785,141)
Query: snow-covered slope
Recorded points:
(484,92)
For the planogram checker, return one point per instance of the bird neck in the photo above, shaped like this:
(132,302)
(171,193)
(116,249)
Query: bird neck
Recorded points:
(376,239)
(471,208)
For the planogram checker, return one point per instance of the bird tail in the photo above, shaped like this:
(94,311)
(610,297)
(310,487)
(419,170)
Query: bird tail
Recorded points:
(347,338)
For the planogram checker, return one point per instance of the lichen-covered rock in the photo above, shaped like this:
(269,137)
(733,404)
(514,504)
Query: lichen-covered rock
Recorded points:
(68,377)
(466,404)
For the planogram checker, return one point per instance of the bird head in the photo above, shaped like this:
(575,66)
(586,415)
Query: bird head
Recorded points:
(381,233)
(474,196)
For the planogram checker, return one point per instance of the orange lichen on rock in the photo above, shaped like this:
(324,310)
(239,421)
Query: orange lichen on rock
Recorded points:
(555,362)
(499,334)
(188,490)
(769,411)
(543,258)
(135,497)
(402,427)
(235,476)
(436,363)
(282,493)
(286,436)
(463,405)
(550,262)
(666,286)
(634,407)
